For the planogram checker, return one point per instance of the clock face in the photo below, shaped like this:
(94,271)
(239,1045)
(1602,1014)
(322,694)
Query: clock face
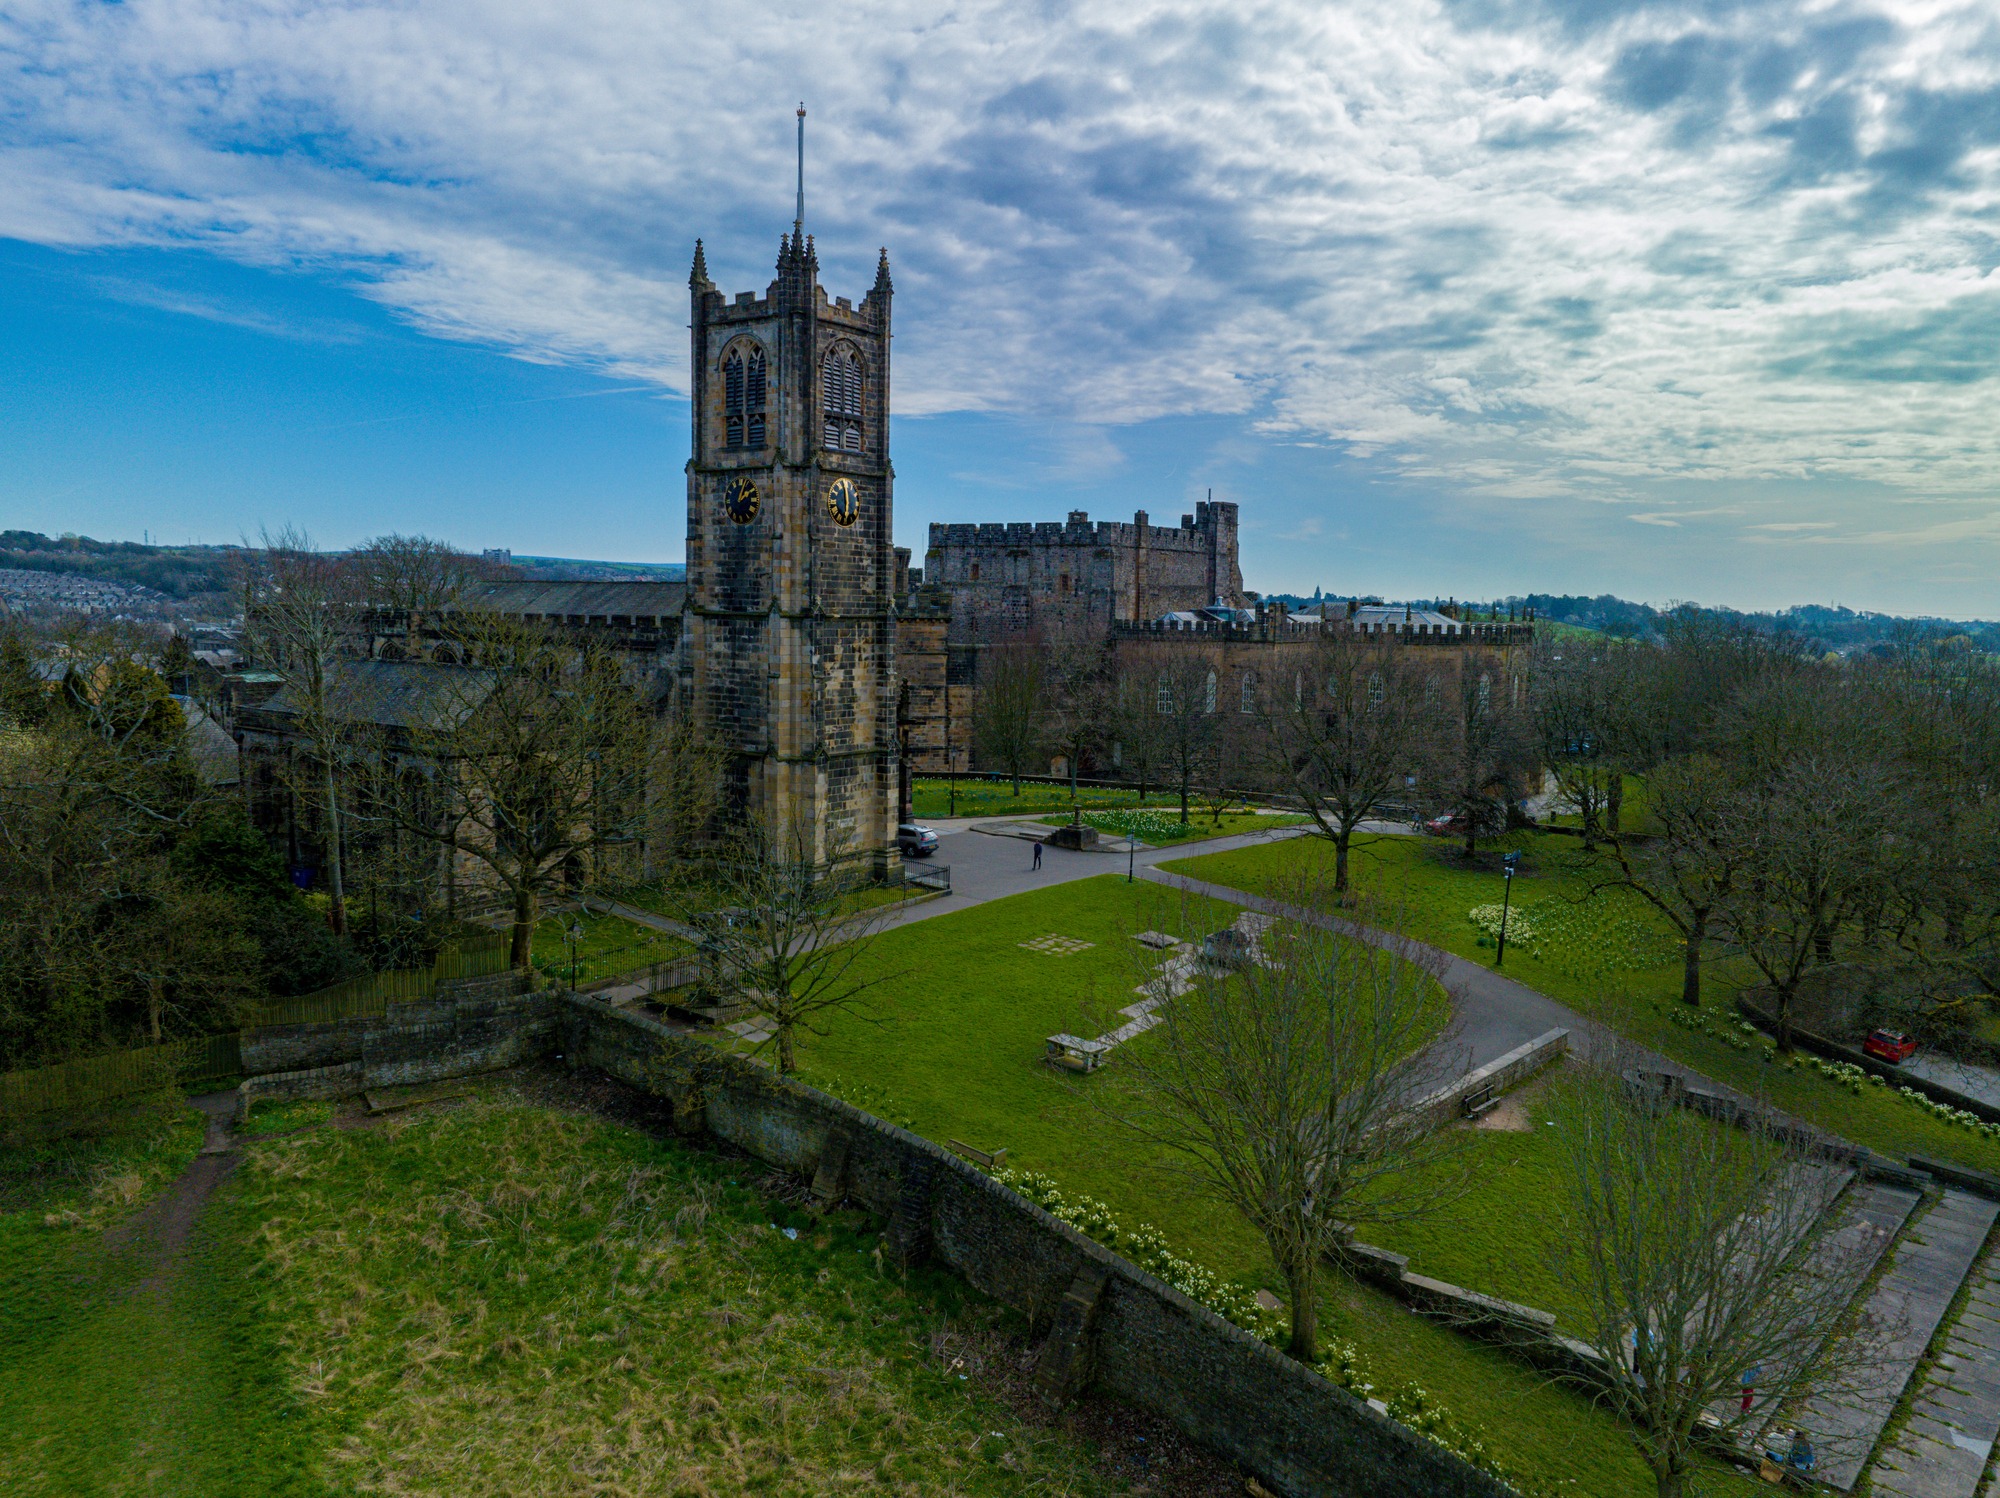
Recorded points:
(739,500)
(843,502)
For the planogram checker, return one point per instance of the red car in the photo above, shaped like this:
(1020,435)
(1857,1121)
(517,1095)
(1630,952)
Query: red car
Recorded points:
(1889,1045)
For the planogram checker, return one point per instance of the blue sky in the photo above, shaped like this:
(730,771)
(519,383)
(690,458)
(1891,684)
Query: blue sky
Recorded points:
(1671,300)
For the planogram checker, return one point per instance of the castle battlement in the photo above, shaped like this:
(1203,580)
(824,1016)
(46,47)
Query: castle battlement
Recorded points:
(1007,579)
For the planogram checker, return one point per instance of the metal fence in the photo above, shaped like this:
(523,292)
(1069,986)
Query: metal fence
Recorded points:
(209,1061)
(72,1086)
(370,997)
(935,876)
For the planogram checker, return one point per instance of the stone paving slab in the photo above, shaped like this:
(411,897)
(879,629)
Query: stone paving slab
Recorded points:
(1931,1262)
(1845,1426)
(1956,1419)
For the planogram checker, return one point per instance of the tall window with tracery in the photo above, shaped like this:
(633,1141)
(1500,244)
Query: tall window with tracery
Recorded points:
(840,380)
(743,387)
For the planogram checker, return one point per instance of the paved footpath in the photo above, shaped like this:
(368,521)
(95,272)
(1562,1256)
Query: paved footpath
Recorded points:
(1955,1417)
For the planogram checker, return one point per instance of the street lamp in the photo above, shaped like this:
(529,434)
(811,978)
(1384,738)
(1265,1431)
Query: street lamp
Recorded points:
(574,934)
(1506,899)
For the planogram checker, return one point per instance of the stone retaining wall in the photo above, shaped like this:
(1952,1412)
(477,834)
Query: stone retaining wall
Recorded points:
(1834,1050)
(1110,1324)
(1502,1074)
(480,1024)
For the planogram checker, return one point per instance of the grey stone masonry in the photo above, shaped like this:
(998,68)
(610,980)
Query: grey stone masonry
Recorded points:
(1930,1263)
(1955,1411)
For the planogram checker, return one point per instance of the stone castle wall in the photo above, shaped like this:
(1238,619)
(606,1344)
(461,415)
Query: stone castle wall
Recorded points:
(1010,579)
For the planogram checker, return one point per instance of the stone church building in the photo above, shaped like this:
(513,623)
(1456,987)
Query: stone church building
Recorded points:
(788,644)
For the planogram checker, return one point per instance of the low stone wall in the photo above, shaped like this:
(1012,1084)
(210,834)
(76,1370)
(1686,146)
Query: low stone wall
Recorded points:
(1528,1333)
(482,1024)
(1502,1074)
(1834,1050)
(319,1082)
(1108,1323)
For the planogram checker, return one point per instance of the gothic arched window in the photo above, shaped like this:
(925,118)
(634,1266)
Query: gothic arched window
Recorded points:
(743,387)
(1249,704)
(1208,695)
(840,381)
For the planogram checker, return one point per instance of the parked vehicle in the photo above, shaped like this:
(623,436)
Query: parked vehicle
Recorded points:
(1451,824)
(1889,1045)
(916,841)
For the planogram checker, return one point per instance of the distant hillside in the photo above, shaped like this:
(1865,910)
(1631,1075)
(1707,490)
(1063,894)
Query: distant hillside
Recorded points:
(575,568)
(195,578)
(1823,627)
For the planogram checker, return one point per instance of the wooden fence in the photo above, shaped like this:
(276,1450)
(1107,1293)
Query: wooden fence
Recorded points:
(208,1061)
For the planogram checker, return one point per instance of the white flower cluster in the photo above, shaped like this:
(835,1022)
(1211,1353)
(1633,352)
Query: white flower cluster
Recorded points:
(1945,1111)
(1342,1362)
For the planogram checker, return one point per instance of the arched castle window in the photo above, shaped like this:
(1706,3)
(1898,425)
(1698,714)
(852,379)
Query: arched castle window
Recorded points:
(743,386)
(1249,704)
(840,383)
(1374,688)
(1163,698)
(1485,692)
(1208,694)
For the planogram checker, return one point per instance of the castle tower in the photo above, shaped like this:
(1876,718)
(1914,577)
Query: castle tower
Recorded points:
(790,647)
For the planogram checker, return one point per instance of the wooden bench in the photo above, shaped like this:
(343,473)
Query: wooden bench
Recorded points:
(1075,1054)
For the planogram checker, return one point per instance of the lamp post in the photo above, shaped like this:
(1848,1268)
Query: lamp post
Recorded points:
(1506,899)
(573,933)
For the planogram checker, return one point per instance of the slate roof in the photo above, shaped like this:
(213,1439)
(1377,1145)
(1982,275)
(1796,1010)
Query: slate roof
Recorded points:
(209,745)
(601,600)
(395,694)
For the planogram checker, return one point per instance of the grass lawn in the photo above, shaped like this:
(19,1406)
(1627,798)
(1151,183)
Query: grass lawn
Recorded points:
(610,945)
(952,1049)
(1158,827)
(996,798)
(498,1299)
(1608,957)
(112,1385)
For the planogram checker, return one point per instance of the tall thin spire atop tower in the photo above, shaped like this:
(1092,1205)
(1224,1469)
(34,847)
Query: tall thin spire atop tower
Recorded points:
(799,218)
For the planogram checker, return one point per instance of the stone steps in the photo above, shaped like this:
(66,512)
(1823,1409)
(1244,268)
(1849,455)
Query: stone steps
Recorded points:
(1955,1411)
(1868,1216)
(1929,1262)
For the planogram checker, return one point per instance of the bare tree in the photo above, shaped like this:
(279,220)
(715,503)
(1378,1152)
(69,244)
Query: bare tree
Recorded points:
(1007,719)
(414,575)
(1288,1088)
(1186,694)
(1572,698)
(1479,750)
(540,761)
(1687,870)
(301,603)
(787,933)
(1810,822)
(1346,737)
(1135,718)
(1076,691)
(1687,1245)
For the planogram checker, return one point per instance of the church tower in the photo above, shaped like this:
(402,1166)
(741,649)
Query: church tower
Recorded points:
(790,643)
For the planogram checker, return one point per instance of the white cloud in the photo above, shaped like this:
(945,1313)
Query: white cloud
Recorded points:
(1563,257)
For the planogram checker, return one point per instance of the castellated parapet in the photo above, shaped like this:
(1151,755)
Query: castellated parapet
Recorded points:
(1008,579)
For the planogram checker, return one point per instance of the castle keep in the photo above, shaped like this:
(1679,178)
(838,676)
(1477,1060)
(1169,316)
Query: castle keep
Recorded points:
(1008,579)
(788,647)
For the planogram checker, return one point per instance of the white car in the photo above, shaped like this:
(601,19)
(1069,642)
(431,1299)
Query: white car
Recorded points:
(916,841)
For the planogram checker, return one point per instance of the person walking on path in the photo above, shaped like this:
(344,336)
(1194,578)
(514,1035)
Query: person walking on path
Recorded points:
(1038,853)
